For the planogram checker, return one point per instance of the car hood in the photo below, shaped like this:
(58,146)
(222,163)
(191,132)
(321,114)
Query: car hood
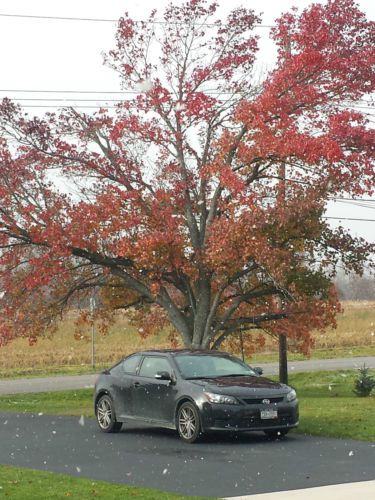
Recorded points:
(241,386)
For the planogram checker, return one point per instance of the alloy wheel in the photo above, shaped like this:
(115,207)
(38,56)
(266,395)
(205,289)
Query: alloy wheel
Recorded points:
(188,423)
(104,413)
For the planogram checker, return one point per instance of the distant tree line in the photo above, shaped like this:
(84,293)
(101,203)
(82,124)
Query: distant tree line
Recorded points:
(355,287)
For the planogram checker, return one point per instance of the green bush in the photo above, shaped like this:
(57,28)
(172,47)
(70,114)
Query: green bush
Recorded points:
(364,383)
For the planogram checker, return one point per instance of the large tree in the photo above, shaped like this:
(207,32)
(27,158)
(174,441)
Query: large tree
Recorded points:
(176,204)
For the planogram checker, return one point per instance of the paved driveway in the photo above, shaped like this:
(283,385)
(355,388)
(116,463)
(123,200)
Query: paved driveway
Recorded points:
(219,467)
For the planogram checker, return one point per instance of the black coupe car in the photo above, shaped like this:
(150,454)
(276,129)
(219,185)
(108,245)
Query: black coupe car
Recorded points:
(194,392)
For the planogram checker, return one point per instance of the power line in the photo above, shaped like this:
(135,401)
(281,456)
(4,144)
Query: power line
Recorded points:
(47,91)
(49,106)
(355,203)
(349,218)
(59,18)
(361,101)
(80,99)
(102,20)
(354,107)
(101,92)
(31,91)
(56,106)
(126,92)
(354,199)
(34,91)
(101,101)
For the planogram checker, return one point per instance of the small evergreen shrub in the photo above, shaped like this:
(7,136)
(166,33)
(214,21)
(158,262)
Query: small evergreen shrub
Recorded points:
(364,383)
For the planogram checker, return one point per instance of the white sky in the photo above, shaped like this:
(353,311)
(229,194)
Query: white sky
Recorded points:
(44,54)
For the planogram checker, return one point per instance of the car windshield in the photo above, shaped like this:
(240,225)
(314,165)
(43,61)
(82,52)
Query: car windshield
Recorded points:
(206,366)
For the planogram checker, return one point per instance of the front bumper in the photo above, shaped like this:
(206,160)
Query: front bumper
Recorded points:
(217,417)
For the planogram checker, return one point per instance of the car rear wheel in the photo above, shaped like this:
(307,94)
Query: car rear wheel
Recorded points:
(105,415)
(188,423)
(276,434)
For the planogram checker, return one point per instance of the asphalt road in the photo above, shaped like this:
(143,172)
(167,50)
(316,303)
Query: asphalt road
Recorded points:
(59,383)
(221,466)
(45,384)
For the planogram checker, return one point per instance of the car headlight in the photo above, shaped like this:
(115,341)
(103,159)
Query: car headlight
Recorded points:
(291,396)
(220,399)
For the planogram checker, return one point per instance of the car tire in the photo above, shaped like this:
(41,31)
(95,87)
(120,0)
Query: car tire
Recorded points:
(276,434)
(105,415)
(188,423)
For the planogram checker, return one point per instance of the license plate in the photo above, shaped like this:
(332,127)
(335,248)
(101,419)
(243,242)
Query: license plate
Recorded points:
(267,414)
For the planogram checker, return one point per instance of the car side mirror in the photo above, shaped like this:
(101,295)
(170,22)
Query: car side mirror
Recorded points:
(258,370)
(163,376)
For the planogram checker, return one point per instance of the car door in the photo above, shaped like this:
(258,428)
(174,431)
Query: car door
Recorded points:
(154,399)
(122,385)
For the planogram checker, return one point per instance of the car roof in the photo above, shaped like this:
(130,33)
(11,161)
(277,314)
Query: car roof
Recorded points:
(177,352)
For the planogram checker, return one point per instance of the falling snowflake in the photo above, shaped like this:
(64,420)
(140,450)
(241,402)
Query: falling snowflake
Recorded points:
(351,453)
(40,414)
(165,471)
(180,106)
(78,469)
(144,86)
(81,421)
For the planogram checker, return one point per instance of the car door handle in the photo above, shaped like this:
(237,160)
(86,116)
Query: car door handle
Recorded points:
(136,384)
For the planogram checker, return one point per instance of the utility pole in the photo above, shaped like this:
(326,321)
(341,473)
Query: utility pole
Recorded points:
(283,341)
(92,308)
(242,347)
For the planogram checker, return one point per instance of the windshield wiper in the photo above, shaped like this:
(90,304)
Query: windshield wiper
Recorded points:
(235,375)
(198,378)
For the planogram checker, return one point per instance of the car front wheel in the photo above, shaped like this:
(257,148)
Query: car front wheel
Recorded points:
(188,423)
(105,415)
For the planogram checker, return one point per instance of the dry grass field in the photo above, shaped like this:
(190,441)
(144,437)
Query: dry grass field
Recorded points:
(355,327)
(355,332)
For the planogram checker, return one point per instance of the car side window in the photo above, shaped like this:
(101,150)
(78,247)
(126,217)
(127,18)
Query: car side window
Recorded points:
(131,364)
(153,364)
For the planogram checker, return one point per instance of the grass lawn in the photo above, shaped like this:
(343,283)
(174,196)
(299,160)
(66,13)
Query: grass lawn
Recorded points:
(72,402)
(51,371)
(20,484)
(328,406)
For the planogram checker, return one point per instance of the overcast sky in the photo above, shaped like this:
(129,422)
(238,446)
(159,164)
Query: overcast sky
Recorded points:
(46,54)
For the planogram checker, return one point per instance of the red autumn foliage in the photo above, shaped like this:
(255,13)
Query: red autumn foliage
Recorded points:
(173,206)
